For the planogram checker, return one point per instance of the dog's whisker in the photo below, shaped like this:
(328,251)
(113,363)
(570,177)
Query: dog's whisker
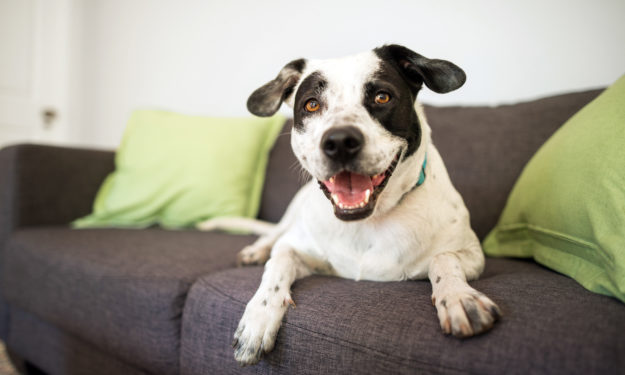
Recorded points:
(295,166)
(283,134)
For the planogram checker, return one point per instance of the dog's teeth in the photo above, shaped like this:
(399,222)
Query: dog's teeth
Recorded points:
(332,180)
(335,198)
(367,195)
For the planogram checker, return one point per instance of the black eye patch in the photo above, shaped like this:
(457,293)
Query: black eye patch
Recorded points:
(311,87)
(398,116)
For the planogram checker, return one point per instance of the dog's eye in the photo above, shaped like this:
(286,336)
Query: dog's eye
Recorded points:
(382,97)
(312,105)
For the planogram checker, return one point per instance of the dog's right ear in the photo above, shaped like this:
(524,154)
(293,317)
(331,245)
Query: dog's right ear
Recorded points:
(266,100)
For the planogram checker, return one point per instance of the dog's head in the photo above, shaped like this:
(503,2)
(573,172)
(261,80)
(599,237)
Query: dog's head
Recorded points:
(355,121)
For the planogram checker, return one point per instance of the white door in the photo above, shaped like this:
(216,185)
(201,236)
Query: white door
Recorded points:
(34,70)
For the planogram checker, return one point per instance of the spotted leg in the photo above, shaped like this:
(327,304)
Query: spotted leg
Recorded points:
(258,328)
(462,310)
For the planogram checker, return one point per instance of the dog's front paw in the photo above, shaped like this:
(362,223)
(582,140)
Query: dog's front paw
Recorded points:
(255,336)
(466,313)
(257,330)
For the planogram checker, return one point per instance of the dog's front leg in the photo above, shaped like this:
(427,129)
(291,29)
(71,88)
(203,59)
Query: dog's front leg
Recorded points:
(462,310)
(258,328)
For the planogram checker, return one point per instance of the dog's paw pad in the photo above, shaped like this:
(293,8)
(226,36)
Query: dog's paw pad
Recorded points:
(253,255)
(466,314)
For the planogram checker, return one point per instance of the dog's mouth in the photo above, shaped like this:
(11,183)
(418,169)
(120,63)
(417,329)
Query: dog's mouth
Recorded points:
(354,195)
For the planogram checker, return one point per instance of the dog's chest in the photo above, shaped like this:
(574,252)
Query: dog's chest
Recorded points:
(372,252)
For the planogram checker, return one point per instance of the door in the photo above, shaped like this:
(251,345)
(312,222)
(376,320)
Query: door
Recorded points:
(34,67)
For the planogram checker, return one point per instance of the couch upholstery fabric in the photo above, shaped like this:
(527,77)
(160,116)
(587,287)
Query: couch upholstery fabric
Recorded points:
(59,352)
(120,290)
(343,327)
(45,185)
(284,177)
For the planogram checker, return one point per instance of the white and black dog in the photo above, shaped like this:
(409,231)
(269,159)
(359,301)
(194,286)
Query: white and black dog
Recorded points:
(382,207)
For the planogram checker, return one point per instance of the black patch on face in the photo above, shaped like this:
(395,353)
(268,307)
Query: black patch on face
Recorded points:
(312,87)
(398,116)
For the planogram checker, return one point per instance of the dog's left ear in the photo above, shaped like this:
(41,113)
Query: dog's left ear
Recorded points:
(266,100)
(439,75)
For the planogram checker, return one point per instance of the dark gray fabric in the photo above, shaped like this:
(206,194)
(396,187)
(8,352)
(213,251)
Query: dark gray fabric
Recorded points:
(45,185)
(58,353)
(486,148)
(4,318)
(41,185)
(283,178)
(550,325)
(120,290)
(8,192)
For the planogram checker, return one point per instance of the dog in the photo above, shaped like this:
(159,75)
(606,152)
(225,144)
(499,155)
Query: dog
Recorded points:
(380,205)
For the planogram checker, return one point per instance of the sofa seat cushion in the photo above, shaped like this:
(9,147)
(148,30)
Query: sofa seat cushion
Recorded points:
(122,291)
(550,324)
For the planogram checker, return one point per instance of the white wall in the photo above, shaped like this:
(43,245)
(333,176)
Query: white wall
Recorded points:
(206,57)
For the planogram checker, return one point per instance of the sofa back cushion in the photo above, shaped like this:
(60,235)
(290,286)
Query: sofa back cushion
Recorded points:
(484,149)
(284,177)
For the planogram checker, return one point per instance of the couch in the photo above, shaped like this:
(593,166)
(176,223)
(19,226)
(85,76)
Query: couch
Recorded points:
(155,301)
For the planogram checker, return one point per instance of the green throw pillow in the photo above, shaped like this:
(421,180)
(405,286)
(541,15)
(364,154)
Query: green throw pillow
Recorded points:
(567,209)
(176,170)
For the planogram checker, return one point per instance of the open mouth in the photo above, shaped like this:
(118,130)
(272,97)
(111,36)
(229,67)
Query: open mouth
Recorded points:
(353,195)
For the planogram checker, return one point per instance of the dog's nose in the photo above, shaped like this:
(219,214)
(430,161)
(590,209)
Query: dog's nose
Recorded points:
(342,144)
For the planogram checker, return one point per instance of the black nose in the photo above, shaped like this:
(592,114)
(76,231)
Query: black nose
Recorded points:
(342,144)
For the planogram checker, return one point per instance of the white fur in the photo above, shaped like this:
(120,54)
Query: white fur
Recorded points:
(413,233)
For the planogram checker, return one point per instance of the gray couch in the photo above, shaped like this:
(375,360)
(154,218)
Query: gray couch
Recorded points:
(115,301)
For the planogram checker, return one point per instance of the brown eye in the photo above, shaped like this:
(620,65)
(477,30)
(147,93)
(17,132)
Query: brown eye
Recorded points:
(312,105)
(382,97)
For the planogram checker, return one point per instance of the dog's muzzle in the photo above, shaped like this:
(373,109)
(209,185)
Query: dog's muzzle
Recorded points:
(354,195)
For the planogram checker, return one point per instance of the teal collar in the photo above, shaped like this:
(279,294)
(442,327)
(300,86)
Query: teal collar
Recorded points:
(422,174)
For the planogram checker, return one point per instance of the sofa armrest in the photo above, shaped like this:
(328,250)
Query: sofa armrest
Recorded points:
(48,185)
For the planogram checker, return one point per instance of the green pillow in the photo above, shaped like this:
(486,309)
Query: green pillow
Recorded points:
(567,209)
(176,170)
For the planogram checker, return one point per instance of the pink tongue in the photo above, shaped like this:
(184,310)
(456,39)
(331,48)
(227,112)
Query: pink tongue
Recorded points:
(350,187)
